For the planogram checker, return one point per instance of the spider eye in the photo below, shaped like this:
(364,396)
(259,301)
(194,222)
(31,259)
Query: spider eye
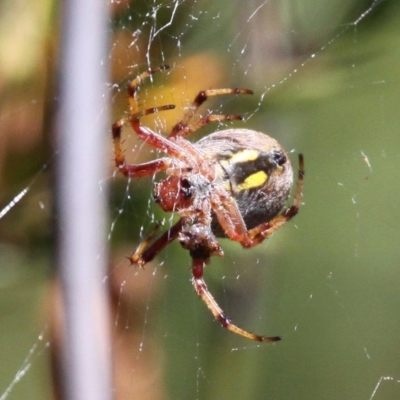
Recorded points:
(279,157)
(186,188)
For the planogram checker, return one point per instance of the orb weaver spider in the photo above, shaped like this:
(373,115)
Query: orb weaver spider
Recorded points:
(232,183)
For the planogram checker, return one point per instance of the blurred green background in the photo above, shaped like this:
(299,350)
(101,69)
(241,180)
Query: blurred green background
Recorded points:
(326,82)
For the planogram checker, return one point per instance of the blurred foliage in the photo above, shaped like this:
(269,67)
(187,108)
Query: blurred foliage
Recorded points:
(328,282)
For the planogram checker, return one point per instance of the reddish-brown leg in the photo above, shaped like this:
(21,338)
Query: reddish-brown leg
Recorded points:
(135,83)
(203,121)
(146,251)
(202,290)
(180,129)
(152,138)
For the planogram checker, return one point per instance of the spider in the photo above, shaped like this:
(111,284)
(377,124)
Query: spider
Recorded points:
(232,184)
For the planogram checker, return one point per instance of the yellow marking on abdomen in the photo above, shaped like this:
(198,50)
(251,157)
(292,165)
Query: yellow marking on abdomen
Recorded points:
(243,156)
(254,181)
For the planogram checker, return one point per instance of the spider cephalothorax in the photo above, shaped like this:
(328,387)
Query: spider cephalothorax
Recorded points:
(232,183)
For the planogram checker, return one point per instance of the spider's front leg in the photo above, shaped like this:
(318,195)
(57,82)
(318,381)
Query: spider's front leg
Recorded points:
(146,252)
(138,170)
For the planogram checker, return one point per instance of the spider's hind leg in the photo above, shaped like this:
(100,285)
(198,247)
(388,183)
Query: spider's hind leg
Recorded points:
(202,290)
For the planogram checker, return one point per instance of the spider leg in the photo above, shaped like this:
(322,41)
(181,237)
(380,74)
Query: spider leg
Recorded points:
(152,138)
(146,134)
(180,129)
(188,129)
(146,251)
(228,214)
(134,84)
(202,290)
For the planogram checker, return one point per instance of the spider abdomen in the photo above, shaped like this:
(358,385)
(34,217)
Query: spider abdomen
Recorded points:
(254,169)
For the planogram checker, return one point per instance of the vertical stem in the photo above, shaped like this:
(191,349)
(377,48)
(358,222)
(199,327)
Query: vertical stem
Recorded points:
(81,199)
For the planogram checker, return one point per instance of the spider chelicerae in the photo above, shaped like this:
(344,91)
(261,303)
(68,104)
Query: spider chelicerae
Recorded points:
(233,183)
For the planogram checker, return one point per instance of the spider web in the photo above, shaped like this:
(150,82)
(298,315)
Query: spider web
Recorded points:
(326,81)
